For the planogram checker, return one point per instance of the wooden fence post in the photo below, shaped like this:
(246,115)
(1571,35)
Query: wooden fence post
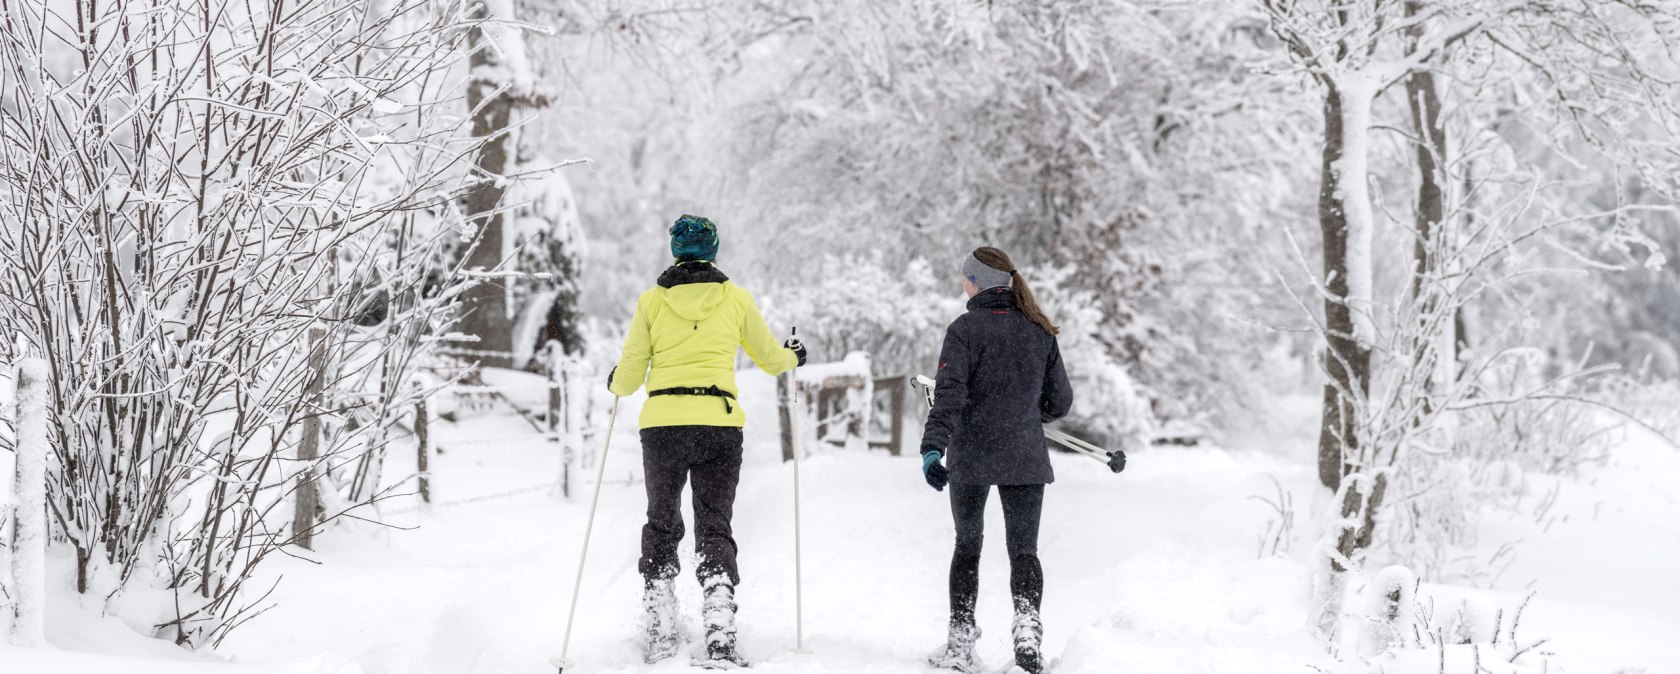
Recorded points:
(898,389)
(899,393)
(559,412)
(783,381)
(825,410)
(555,399)
(309,447)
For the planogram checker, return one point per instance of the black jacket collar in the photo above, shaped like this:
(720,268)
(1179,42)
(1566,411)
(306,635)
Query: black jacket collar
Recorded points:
(993,298)
(692,272)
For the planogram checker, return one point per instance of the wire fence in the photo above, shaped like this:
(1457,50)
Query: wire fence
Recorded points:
(565,422)
(549,487)
(562,420)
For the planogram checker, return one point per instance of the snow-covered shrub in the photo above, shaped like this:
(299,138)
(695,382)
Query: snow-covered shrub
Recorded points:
(1655,404)
(1531,420)
(218,231)
(1280,523)
(1389,609)
(545,235)
(897,315)
(1453,630)
(1521,414)
(1472,619)
(1109,405)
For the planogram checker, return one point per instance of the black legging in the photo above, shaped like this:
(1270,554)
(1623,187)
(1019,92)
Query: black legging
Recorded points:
(1022,507)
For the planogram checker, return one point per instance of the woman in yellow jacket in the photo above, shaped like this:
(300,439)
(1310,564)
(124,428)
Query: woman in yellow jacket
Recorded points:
(682,344)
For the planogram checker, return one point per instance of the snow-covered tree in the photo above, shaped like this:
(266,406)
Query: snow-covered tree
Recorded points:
(501,89)
(1385,359)
(1130,144)
(190,192)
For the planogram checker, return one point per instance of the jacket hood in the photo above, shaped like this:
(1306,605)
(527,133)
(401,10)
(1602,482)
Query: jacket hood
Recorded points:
(693,291)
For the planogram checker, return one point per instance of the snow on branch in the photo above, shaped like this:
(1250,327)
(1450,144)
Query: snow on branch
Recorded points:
(246,240)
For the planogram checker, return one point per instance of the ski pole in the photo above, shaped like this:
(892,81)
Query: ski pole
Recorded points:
(1116,460)
(798,571)
(561,663)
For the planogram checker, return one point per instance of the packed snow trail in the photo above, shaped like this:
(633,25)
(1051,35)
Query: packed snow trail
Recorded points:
(1136,568)
(1155,570)
(492,596)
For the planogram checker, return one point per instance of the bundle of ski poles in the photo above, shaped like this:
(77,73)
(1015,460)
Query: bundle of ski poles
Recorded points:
(1115,460)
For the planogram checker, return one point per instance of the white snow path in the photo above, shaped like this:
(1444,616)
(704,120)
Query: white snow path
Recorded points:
(1139,567)
(1151,571)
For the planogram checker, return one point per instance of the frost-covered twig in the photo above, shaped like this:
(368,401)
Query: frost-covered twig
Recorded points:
(174,298)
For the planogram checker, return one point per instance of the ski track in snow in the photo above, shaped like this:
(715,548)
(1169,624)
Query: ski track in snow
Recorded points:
(1154,570)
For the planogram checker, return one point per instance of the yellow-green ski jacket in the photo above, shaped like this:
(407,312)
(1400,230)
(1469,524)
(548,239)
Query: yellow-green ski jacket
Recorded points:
(684,335)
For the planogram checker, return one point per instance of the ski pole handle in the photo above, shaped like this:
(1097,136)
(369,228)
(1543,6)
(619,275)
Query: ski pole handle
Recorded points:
(927,384)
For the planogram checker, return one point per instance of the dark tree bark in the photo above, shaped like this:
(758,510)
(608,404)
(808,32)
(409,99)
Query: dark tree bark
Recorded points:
(485,305)
(1424,100)
(1431,158)
(1345,361)
(1461,330)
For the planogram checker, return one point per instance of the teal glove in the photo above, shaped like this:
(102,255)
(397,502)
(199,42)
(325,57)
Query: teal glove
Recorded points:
(935,472)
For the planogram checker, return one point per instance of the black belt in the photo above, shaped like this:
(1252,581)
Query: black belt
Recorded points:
(712,391)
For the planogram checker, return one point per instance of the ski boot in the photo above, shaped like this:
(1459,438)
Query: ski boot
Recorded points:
(1028,632)
(958,652)
(660,639)
(717,612)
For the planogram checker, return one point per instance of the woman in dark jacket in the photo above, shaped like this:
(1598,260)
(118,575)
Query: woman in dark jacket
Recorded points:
(1000,379)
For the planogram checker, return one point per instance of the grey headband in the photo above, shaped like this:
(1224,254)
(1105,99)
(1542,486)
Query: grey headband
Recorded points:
(982,275)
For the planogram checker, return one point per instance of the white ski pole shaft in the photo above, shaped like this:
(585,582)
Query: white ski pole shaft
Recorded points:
(798,570)
(588,530)
(1076,444)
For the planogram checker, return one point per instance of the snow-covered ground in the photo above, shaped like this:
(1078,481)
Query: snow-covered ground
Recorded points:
(1154,570)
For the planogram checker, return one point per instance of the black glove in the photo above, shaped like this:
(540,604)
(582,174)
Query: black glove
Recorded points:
(610,377)
(798,350)
(935,472)
(1117,460)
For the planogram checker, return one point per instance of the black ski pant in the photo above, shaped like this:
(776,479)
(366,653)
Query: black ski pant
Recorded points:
(1022,507)
(670,455)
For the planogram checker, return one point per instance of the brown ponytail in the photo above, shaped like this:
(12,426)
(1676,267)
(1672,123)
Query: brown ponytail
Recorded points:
(999,260)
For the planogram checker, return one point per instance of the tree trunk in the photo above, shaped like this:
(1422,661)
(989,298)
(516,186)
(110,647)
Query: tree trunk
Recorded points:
(309,444)
(1431,158)
(422,439)
(1359,506)
(1424,101)
(1346,361)
(485,304)
(1461,330)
